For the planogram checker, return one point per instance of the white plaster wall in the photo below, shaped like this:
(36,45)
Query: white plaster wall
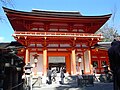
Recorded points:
(81,64)
(39,67)
(87,61)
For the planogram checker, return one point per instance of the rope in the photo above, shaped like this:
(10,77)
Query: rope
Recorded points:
(35,82)
(17,85)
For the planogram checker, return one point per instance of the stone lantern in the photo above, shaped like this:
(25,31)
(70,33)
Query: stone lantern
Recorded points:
(28,69)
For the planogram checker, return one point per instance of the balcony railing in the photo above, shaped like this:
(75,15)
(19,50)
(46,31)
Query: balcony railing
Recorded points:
(56,34)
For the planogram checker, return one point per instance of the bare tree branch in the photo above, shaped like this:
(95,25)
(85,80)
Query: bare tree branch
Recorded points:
(108,32)
(7,2)
(114,11)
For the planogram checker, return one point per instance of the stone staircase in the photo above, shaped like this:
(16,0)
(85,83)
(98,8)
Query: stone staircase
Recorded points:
(71,79)
(37,82)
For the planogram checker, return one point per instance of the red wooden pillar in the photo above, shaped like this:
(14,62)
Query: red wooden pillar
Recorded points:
(73,62)
(44,61)
(68,65)
(89,56)
(27,56)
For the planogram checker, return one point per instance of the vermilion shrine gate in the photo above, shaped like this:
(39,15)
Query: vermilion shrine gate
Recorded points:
(58,39)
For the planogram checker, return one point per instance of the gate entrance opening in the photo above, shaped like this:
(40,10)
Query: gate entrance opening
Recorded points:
(57,62)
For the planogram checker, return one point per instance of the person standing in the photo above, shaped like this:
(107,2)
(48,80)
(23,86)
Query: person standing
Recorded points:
(114,59)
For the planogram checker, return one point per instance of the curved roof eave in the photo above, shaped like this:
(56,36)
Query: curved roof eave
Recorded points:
(64,18)
(56,14)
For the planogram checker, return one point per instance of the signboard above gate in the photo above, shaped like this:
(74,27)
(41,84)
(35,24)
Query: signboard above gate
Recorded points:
(54,59)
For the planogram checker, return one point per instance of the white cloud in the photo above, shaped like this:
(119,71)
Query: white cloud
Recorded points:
(1,39)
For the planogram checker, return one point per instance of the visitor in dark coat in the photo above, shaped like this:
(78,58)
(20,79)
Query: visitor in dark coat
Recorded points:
(114,59)
(62,75)
(49,73)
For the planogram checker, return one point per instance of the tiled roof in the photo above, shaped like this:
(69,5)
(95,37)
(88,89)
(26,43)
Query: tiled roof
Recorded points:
(47,12)
(12,44)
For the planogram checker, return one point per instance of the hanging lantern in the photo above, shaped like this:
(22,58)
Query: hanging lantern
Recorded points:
(35,59)
(79,58)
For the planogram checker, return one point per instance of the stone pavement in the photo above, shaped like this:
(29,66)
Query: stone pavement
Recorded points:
(101,86)
(73,86)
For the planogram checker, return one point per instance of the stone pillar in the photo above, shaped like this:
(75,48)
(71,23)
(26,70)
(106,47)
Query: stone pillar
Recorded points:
(15,78)
(7,84)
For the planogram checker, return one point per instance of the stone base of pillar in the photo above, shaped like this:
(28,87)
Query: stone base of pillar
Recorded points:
(44,78)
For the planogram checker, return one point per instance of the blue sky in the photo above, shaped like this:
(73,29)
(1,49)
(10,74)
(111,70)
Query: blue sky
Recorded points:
(85,7)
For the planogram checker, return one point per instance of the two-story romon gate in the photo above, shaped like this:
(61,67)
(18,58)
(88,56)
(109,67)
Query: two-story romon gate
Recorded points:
(56,39)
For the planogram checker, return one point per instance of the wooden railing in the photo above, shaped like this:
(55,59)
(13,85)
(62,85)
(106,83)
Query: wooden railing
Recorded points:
(57,34)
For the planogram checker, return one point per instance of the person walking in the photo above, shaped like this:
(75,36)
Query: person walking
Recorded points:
(62,75)
(49,74)
(114,59)
(54,75)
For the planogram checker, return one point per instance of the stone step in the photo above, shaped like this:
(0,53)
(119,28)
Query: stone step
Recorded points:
(38,80)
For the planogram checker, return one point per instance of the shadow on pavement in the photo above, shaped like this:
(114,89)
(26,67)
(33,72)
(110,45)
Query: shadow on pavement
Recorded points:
(69,86)
(101,86)
(97,86)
